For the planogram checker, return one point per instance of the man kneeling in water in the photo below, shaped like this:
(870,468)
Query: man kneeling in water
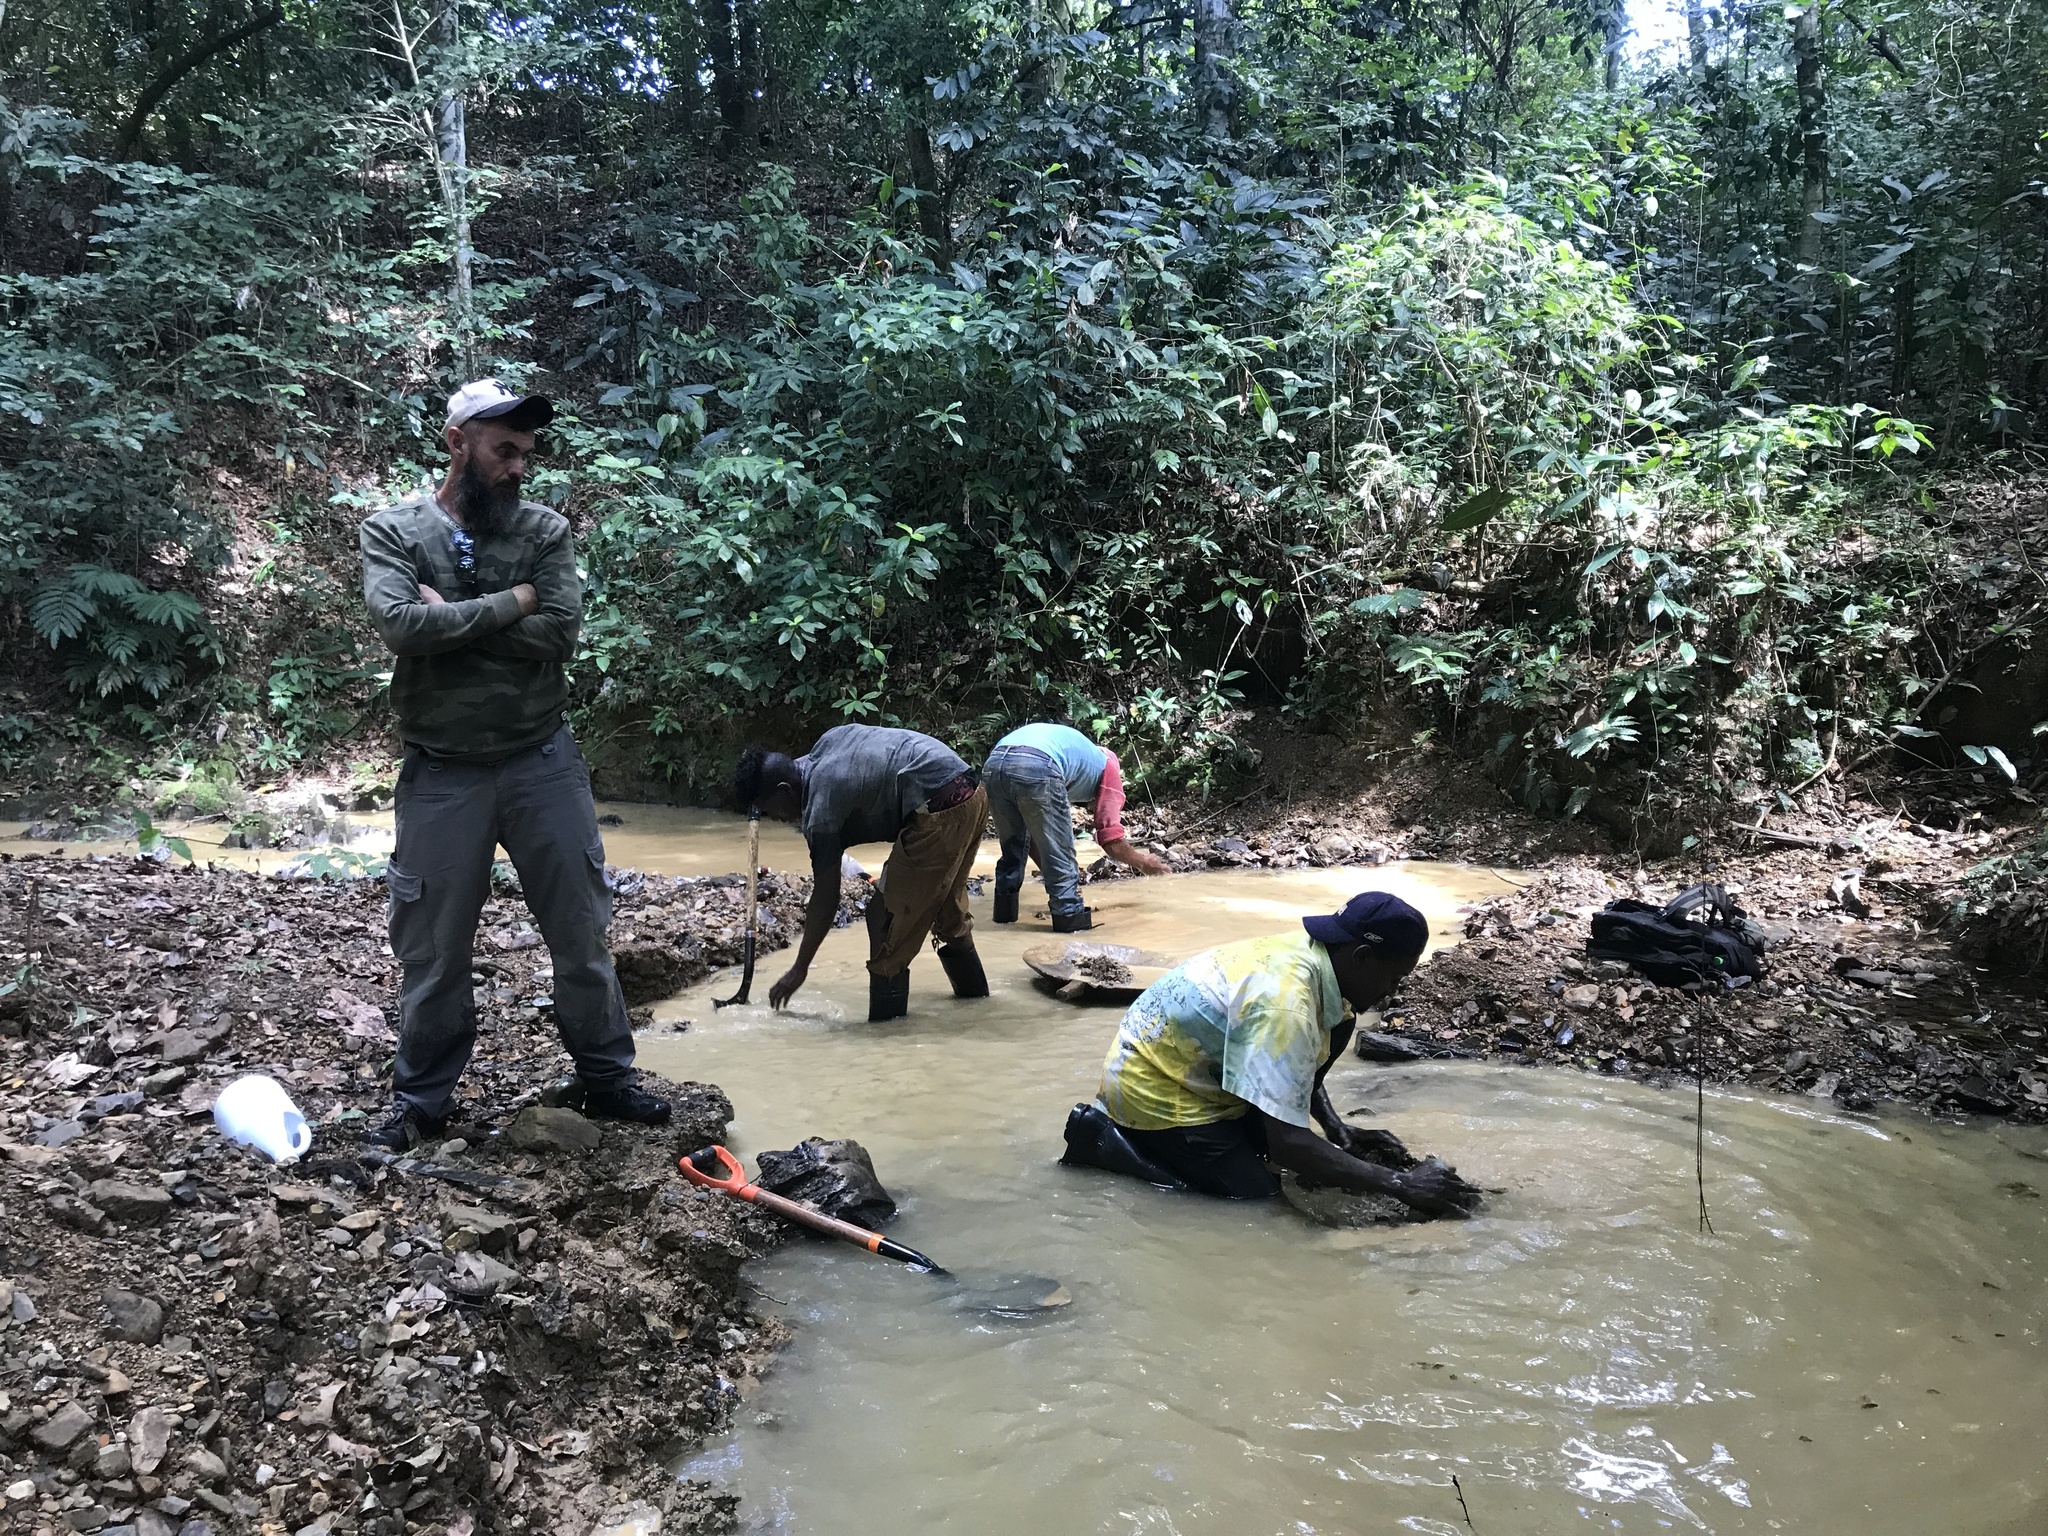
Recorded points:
(1218,1067)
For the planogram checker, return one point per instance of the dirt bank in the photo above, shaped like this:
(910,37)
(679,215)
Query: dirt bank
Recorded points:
(1866,1000)
(513,1331)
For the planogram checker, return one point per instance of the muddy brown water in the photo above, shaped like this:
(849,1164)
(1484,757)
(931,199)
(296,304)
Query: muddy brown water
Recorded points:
(1856,1348)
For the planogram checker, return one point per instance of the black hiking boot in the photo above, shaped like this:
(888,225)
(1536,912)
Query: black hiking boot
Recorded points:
(888,996)
(408,1126)
(1006,906)
(627,1101)
(1073,922)
(963,968)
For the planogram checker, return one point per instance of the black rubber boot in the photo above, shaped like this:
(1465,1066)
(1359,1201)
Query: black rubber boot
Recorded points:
(963,968)
(1006,906)
(1096,1141)
(888,996)
(1073,922)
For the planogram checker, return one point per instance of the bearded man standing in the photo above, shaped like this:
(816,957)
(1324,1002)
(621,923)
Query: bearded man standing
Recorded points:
(476,593)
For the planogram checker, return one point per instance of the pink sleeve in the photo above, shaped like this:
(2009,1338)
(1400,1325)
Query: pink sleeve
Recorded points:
(1109,802)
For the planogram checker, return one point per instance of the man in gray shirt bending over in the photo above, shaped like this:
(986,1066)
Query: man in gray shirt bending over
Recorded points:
(870,784)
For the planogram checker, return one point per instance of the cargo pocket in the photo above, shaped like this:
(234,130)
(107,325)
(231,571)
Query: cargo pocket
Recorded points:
(601,887)
(412,934)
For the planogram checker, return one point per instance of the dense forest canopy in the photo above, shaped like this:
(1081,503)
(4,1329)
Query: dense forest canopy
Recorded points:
(959,361)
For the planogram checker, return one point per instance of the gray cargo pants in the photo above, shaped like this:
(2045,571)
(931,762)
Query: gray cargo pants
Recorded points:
(451,817)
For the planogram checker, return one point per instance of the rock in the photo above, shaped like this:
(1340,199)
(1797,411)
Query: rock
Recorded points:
(1584,998)
(138,1319)
(540,1129)
(205,1466)
(703,1114)
(113,1462)
(649,972)
(1979,1097)
(169,1081)
(28,1155)
(1845,890)
(195,1528)
(179,1046)
(149,1435)
(1333,849)
(151,1522)
(135,1205)
(1340,1207)
(62,1428)
(1880,980)
(1372,1045)
(21,1307)
(838,1177)
(111,1104)
(359,1221)
(60,1133)
(478,1276)
(632,1520)
(21,1492)
(90,1519)
(472,1227)
(77,1213)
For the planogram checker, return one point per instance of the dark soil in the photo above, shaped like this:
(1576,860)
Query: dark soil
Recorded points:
(1866,998)
(514,1330)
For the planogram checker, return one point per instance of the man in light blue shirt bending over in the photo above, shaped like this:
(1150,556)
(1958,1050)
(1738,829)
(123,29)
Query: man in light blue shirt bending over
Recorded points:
(1033,775)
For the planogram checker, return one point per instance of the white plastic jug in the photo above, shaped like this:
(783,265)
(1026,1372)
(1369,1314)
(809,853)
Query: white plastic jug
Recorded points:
(256,1111)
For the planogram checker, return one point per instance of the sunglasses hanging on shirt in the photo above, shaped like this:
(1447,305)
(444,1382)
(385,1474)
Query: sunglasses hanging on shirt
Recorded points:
(465,549)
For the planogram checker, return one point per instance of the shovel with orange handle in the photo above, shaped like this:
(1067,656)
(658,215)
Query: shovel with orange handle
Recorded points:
(698,1169)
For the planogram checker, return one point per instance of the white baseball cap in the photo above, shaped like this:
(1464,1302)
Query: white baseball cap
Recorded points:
(488,400)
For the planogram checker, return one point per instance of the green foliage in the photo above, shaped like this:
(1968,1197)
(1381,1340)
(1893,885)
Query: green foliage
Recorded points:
(115,634)
(152,842)
(954,362)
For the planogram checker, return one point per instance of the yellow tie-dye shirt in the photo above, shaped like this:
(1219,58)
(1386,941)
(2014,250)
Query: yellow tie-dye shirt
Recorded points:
(1246,1024)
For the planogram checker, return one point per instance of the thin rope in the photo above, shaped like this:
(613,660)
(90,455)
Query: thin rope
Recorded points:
(1699,1124)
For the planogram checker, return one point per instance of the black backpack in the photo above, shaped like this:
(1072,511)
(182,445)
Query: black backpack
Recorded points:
(1697,939)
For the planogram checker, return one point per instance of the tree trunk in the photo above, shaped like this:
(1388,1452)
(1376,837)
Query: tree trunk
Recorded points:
(1614,30)
(1214,86)
(453,164)
(169,76)
(735,28)
(931,212)
(1813,138)
(1696,34)
(1905,312)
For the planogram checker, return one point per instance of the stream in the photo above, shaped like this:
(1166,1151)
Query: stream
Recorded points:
(1856,1346)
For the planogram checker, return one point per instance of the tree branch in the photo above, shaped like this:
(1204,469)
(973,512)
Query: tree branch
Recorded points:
(168,77)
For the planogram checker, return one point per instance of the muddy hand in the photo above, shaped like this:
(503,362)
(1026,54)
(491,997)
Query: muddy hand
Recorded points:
(785,988)
(1382,1147)
(1435,1189)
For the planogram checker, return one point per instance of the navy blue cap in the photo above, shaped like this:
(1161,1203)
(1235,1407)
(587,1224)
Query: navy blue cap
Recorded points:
(1383,923)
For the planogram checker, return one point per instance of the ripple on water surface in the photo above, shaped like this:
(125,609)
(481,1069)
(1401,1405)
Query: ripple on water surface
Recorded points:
(1857,1346)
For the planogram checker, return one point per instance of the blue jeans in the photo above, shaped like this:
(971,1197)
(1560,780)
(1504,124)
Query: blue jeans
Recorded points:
(1027,795)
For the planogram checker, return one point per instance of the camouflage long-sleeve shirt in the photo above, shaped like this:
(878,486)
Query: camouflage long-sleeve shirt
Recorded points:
(474,679)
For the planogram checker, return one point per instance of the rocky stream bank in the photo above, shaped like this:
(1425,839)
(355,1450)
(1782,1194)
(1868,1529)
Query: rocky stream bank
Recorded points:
(516,1329)
(1866,999)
